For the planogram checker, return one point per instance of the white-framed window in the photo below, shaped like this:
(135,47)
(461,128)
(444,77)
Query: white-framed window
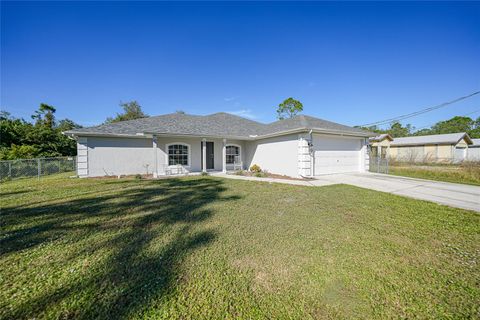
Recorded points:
(178,154)
(233,152)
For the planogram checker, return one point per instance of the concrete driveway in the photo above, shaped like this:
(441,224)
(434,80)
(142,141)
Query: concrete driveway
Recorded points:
(450,194)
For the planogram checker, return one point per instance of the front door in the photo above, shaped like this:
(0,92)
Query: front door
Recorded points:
(210,156)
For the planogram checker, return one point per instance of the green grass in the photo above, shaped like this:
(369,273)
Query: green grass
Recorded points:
(466,174)
(211,248)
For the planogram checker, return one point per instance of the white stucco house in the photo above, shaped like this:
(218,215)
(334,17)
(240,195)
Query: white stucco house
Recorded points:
(181,143)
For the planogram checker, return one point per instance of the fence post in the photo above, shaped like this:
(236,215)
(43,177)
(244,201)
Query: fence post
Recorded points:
(378,164)
(39,169)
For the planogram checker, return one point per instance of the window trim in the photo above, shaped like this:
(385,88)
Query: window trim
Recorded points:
(189,154)
(239,152)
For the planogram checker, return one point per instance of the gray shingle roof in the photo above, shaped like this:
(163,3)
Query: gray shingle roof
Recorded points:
(476,143)
(217,124)
(450,138)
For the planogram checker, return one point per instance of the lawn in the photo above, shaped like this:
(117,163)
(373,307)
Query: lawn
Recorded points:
(211,248)
(467,173)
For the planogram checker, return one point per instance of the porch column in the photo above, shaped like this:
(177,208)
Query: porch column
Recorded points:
(155,162)
(224,156)
(204,155)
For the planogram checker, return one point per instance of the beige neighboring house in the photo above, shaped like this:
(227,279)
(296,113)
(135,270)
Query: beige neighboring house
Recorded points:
(380,145)
(452,147)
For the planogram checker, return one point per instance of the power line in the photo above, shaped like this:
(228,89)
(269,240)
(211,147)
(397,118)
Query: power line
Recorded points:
(463,115)
(416,113)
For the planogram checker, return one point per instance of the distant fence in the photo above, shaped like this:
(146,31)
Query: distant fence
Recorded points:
(378,164)
(24,168)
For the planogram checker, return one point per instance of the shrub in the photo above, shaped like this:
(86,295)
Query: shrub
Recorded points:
(255,168)
(138,177)
(239,173)
(259,174)
(204,173)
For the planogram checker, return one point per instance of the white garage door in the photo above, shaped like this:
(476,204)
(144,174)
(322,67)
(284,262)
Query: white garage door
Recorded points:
(336,154)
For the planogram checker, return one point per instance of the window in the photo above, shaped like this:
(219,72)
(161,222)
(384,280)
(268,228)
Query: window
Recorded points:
(232,152)
(178,154)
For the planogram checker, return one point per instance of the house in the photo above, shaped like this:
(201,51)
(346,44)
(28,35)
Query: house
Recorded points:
(182,143)
(451,147)
(380,145)
(473,152)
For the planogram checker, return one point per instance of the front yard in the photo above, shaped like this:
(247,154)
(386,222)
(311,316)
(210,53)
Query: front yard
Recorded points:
(211,248)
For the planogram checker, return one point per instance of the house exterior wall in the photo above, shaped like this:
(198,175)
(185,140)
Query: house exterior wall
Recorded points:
(286,155)
(445,153)
(119,156)
(276,155)
(473,154)
(100,156)
(424,153)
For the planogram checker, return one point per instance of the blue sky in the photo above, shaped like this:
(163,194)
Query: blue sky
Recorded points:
(351,63)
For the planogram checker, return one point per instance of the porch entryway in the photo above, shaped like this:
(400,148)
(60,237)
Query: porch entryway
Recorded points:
(210,155)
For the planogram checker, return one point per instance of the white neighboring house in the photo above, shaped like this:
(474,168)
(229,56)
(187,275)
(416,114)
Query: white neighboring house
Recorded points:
(180,143)
(473,152)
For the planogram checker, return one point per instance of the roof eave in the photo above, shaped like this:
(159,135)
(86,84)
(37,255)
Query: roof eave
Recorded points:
(315,130)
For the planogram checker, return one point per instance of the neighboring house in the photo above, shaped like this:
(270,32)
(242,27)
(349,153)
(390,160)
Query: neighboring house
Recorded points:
(452,147)
(380,145)
(179,143)
(473,152)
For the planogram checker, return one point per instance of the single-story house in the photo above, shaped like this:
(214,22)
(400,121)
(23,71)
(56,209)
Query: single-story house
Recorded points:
(380,145)
(182,143)
(451,147)
(473,151)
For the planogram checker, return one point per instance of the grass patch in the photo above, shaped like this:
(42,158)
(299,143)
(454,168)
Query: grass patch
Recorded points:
(205,247)
(468,173)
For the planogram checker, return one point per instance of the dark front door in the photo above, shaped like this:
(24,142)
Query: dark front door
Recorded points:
(210,156)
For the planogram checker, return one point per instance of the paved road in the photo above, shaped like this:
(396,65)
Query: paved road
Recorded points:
(450,194)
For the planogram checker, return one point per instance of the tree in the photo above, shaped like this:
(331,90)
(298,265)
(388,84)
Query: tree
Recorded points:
(455,124)
(131,110)
(22,139)
(44,116)
(289,108)
(396,130)
(67,124)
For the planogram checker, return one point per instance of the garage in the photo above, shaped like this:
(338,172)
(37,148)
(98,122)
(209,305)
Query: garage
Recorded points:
(336,154)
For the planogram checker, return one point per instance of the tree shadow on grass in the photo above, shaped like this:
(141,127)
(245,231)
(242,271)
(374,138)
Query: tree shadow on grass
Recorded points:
(137,270)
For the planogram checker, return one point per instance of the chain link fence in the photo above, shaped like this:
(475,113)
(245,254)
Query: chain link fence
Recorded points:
(378,164)
(39,167)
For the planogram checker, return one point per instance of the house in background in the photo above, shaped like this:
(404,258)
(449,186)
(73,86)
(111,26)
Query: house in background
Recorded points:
(473,152)
(452,147)
(380,146)
(182,143)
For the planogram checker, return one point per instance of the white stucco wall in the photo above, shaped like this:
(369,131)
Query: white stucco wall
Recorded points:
(100,156)
(276,155)
(119,156)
